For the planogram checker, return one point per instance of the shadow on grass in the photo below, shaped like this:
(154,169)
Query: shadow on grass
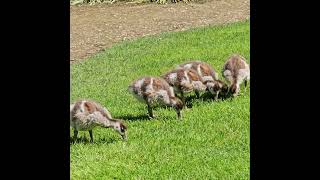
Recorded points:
(130,117)
(205,97)
(190,100)
(85,140)
(142,117)
(208,97)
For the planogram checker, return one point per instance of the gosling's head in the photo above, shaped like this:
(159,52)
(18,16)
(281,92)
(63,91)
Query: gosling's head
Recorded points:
(177,104)
(121,128)
(234,90)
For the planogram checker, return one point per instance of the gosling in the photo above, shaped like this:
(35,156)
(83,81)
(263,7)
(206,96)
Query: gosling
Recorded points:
(208,76)
(236,71)
(155,91)
(185,81)
(85,115)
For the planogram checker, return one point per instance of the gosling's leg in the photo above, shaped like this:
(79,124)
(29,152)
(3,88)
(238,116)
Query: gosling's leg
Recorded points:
(150,112)
(75,134)
(91,136)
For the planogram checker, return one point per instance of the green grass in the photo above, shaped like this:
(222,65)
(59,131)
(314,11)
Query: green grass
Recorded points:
(212,140)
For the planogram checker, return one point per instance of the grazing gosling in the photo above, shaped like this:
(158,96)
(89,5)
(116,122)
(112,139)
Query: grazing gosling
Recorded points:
(208,76)
(185,81)
(86,115)
(235,71)
(155,91)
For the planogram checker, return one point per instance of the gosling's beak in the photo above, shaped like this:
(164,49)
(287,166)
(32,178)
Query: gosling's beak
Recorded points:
(124,137)
(179,114)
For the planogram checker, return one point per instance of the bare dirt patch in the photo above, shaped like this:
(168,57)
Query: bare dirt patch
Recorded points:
(94,28)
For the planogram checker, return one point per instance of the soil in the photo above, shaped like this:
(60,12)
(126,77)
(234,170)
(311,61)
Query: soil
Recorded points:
(94,28)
